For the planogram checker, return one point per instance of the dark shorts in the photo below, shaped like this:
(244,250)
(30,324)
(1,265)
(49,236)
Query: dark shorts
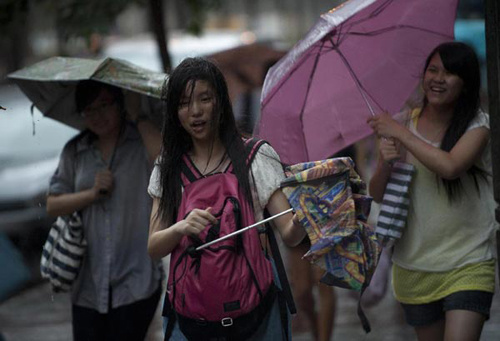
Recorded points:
(418,315)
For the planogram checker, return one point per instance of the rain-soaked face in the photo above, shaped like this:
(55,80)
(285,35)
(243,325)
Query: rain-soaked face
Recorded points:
(196,111)
(441,87)
(102,116)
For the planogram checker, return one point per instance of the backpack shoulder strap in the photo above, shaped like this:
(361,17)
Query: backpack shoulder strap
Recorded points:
(189,173)
(280,268)
(285,297)
(252,146)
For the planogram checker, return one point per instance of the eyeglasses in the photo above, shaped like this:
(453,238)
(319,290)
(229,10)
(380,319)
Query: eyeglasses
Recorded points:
(102,108)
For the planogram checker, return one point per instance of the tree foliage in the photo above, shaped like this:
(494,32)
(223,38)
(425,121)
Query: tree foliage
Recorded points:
(84,17)
(198,13)
(13,40)
(10,10)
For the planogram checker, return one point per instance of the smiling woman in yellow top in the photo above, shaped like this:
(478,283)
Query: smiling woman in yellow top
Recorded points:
(444,269)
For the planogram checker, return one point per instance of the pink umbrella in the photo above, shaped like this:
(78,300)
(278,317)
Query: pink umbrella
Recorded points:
(361,58)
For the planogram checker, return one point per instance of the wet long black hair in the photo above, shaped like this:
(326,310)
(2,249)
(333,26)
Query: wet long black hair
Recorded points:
(177,142)
(461,60)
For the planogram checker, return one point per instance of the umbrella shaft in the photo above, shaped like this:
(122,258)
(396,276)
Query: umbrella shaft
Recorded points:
(366,100)
(243,229)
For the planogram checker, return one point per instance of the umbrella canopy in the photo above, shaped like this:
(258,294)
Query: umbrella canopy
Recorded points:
(360,58)
(330,201)
(51,84)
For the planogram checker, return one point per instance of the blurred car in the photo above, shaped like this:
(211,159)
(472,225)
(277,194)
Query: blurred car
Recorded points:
(30,145)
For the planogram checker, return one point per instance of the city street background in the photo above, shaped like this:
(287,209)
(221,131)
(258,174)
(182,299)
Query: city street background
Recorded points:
(30,144)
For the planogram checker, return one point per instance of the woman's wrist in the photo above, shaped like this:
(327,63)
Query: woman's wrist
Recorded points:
(92,195)
(403,134)
(178,228)
(385,166)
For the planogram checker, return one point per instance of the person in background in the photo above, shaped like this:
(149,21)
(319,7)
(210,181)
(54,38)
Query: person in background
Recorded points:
(318,314)
(103,173)
(444,265)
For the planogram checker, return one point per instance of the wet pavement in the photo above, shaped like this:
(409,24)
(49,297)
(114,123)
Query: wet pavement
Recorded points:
(36,314)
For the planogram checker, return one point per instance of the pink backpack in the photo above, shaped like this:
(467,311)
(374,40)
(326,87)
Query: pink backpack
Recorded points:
(224,290)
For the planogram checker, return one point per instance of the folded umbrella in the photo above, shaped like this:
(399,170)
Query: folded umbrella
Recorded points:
(51,83)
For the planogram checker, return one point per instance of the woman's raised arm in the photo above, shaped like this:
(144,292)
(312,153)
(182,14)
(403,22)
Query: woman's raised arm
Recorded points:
(291,231)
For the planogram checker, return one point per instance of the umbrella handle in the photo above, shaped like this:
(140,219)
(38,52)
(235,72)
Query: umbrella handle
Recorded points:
(227,236)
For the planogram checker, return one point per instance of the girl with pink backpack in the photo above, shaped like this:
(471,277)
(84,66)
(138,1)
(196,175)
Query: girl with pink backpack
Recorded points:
(211,181)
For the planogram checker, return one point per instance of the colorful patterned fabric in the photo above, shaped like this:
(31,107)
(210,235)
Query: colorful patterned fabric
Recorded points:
(330,201)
